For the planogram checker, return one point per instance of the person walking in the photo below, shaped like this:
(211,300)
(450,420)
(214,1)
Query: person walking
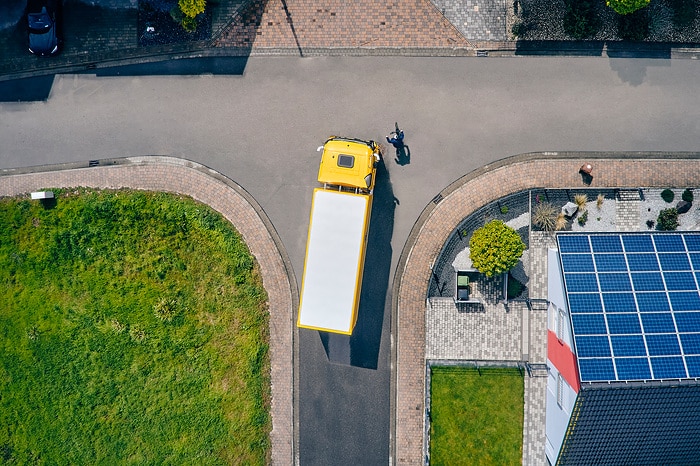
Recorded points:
(395,138)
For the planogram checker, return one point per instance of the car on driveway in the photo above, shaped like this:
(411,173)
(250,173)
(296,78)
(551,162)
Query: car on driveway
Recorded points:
(43,25)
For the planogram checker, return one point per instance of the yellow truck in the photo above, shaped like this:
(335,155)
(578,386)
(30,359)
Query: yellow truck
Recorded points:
(335,248)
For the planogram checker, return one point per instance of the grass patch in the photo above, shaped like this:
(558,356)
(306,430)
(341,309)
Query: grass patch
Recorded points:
(134,330)
(476,419)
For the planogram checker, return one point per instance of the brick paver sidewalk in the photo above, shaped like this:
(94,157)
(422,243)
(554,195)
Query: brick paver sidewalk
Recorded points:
(204,185)
(310,24)
(438,221)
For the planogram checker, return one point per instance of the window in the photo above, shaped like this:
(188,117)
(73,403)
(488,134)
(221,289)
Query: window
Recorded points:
(346,161)
(560,391)
(561,323)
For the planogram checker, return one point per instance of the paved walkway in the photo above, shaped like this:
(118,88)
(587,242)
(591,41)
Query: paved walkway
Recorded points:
(437,223)
(204,185)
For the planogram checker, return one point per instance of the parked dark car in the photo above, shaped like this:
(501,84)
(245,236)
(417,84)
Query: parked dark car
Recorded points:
(43,25)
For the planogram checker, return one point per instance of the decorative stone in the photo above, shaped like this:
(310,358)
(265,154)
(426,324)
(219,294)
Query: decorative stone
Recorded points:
(569,209)
(683,207)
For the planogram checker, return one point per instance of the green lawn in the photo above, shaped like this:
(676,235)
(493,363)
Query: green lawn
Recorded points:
(134,330)
(476,419)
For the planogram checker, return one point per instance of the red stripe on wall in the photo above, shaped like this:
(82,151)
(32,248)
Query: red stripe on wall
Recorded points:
(563,359)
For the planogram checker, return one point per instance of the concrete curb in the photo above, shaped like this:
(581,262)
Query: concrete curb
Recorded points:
(161,173)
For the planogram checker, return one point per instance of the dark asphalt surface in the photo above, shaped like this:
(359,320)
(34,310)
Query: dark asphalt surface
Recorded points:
(261,128)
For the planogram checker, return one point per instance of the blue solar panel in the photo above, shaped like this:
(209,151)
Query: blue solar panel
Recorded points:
(619,302)
(658,322)
(692,241)
(589,324)
(695,259)
(638,243)
(678,281)
(668,368)
(687,321)
(652,302)
(614,282)
(577,263)
(647,281)
(642,262)
(669,243)
(628,345)
(663,345)
(691,343)
(596,369)
(674,261)
(634,303)
(693,363)
(580,282)
(606,243)
(685,301)
(587,347)
(610,263)
(573,243)
(585,302)
(623,324)
(633,369)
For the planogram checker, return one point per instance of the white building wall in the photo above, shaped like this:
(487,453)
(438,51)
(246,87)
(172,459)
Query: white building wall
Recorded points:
(560,403)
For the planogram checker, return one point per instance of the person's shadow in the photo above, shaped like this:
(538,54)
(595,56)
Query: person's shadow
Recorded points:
(403,155)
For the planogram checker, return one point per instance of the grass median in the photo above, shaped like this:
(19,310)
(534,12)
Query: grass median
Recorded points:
(476,416)
(134,329)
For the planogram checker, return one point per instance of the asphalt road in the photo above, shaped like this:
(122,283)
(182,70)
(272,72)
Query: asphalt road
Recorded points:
(261,129)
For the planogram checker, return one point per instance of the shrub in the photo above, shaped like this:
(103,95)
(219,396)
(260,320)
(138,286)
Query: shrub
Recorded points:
(519,29)
(599,201)
(545,216)
(626,7)
(580,200)
(561,222)
(650,224)
(667,195)
(583,218)
(634,26)
(191,8)
(504,209)
(687,195)
(668,220)
(580,21)
(683,12)
(495,248)
(165,309)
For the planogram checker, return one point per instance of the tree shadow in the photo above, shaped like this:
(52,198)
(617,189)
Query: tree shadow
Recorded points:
(362,348)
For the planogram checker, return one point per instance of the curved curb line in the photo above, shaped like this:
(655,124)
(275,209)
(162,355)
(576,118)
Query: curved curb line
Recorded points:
(458,200)
(160,173)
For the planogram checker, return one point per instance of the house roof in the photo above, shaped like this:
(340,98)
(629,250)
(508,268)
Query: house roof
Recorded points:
(634,304)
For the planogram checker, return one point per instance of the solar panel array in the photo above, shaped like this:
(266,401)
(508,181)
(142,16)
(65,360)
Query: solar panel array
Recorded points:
(634,301)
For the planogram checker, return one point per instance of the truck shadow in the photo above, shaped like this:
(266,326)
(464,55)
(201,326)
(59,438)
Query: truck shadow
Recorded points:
(362,348)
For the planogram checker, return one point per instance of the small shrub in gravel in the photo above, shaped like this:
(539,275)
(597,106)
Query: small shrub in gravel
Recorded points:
(683,12)
(599,201)
(545,216)
(583,218)
(634,26)
(626,7)
(687,195)
(668,220)
(667,195)
(580,20)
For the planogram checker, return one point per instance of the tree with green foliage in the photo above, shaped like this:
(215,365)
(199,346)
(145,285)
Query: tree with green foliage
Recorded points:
(624,7)
(186,12)
(495,248)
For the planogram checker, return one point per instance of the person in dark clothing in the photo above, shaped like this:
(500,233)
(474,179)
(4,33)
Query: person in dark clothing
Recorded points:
(395,138)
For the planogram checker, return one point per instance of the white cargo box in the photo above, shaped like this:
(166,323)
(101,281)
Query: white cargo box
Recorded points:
(335,250)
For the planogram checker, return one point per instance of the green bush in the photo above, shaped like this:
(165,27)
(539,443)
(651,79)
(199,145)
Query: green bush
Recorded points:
(626,7)
(495,248)
(634,26)
(667,195)
(668,220)
(191,8)
(580,21)
(583,218)
(683,12)
(504,209)
(687,195)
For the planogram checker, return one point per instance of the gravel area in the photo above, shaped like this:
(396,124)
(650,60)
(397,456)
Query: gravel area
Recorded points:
(544,20)
(653,203)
